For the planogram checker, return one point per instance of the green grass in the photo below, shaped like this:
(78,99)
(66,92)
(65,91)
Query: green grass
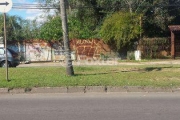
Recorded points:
(154,76)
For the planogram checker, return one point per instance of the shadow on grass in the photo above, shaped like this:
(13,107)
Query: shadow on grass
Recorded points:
(156,68)
(9,80)
(146,69)
(153,69)
(90,74)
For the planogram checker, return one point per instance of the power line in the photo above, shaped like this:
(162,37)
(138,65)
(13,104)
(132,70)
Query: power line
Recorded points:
(34,6)
(53,6)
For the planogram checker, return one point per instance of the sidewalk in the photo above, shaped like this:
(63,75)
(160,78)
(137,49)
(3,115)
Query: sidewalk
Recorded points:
(110,62)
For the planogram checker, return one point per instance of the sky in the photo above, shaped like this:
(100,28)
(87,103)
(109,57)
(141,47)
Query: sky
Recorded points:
(26,13)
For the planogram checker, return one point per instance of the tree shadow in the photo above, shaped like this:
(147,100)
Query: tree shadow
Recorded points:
(156,68)
(147,69)
(90,74)
(153,69)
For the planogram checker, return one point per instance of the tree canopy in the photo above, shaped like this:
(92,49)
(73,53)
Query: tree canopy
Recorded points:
(121,28)
(97,18)
(13,27)
(51,30)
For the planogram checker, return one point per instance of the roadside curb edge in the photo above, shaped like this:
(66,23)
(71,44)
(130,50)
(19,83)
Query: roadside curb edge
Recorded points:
(87,89)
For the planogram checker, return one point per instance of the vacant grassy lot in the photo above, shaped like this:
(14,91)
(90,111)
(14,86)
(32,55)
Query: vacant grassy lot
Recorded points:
(142,75)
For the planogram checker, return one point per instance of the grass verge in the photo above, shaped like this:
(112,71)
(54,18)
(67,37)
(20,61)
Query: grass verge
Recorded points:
(142,75)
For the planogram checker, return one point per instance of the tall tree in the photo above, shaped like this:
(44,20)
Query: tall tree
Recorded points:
(51,30)
(121,29)
(158,17)
(13,27)
(86,16)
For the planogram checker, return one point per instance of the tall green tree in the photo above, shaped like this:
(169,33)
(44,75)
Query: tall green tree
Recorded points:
(174,11)
(156,19)
(120,29)
(51,30)
(86,16)
(30,29)
(83,17)
(13,27)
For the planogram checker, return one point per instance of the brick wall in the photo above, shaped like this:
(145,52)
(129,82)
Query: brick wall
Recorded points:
(89,49)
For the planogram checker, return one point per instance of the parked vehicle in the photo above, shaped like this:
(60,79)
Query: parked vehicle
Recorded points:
(13,58)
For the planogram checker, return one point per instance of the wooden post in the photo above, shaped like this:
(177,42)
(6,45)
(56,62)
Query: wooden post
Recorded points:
(172,45)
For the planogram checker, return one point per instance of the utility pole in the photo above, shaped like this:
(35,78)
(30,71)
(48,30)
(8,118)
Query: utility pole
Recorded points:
(68,61)
(5,41)
(5,6)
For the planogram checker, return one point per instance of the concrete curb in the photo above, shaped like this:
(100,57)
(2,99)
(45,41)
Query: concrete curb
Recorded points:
(16,91)
(3,90)
(48,90)
(99,89)
(76,89)
(87,89)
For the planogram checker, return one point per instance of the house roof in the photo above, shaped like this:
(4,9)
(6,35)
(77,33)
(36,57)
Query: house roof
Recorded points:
(174,27)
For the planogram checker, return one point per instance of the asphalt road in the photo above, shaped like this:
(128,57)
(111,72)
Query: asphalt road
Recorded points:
(94,106)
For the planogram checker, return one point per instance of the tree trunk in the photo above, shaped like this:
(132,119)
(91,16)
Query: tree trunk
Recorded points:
(68,61)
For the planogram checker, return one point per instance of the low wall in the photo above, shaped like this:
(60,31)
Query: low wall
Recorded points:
(90,49)
(36,50)
(39,50)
